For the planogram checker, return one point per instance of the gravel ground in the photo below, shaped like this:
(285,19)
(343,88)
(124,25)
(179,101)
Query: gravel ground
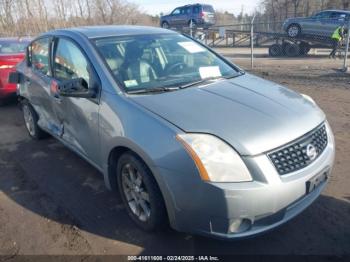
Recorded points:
(53,202)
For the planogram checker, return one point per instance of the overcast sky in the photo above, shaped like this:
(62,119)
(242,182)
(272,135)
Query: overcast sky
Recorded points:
(155,7)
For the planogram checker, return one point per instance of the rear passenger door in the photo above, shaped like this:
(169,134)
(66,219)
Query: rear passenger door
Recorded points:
(322,24)
(185,16)
(78,115)
(38,82)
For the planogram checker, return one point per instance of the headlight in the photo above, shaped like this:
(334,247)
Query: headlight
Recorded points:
(216,161)
(309,98)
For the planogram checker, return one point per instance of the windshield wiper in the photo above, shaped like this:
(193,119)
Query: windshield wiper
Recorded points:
(209,79)
(174,88)
(154,90)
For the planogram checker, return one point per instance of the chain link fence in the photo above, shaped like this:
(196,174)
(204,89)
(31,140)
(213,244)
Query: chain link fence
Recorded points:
(292,38)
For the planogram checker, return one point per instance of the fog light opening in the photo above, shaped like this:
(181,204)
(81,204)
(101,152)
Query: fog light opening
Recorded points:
(239,225)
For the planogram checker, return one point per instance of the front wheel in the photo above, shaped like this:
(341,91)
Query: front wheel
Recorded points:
(140,193)
(31,121)
(293,30)
(165,25)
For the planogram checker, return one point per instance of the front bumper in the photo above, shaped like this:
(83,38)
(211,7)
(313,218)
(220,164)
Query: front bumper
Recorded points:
(263,204)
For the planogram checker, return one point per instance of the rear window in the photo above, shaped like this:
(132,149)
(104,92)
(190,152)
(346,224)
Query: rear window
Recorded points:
(7,47)
(208,9)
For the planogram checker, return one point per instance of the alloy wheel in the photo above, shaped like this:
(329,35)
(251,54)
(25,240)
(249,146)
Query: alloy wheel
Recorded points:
(293,31)
(135,192)
(29,120)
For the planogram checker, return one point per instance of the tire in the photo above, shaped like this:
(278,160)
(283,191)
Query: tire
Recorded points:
(140,187)
(304,48)
(275,50)
(294,30)
(31,121)
(292,50)
(165,25)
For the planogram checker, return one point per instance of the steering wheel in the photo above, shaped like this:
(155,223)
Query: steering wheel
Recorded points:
(178,66)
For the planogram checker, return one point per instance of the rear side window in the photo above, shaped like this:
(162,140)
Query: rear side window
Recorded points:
(196,9)
(208,9)
(40,55)
(185,10)
(334,15)
(70,62)
(337,15)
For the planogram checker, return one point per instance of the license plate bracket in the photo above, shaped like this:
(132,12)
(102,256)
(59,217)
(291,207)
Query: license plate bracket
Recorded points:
(316,181)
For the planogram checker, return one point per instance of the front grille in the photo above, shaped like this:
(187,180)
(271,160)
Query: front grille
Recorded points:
(294,156)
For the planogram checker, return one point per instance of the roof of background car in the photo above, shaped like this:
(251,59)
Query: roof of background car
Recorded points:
(336,10)
(117,30)
(15,39)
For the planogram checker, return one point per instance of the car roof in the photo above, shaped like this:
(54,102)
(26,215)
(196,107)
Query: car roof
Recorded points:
(114,30)
(15,39)
(194,5)
(336,10)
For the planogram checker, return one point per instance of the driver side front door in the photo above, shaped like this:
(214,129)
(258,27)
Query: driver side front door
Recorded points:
(79,116)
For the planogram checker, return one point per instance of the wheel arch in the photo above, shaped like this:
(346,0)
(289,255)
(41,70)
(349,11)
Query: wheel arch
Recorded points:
(111,178)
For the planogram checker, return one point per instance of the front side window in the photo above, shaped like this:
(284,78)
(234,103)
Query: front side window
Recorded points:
(322,15)
(70,62)
(176,11)
(40,55)
(160,60)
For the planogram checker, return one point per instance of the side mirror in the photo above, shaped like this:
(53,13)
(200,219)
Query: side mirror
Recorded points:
(76,88)
(15,78)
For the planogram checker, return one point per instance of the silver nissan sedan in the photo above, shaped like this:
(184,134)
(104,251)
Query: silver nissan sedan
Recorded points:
(186,137)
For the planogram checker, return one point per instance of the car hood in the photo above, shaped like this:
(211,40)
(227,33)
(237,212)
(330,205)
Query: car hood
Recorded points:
(252,114)
(165,16)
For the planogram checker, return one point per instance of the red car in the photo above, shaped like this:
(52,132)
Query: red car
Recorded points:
(11,53)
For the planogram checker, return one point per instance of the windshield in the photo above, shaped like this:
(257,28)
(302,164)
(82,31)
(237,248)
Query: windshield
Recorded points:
(156,61)
(9,47)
